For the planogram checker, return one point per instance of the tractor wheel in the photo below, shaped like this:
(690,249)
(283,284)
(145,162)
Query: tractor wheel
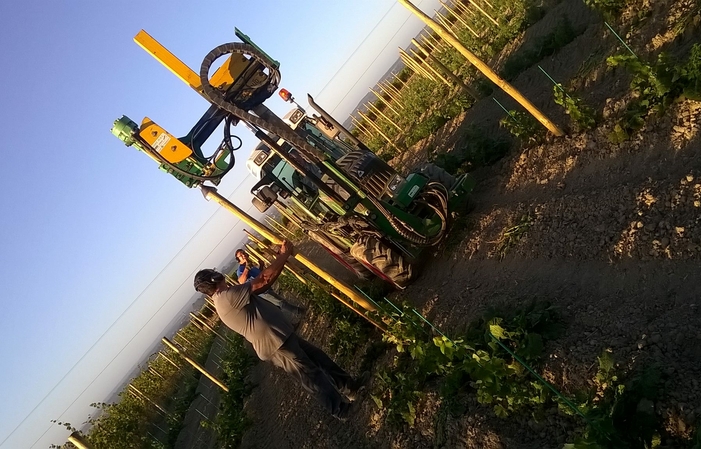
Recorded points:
(358,268)
(437,174)
(384,261)
(344,258)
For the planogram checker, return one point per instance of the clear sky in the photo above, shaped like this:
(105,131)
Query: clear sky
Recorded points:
(98,247)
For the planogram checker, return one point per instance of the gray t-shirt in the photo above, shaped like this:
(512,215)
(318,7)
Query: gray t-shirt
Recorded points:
(257,320)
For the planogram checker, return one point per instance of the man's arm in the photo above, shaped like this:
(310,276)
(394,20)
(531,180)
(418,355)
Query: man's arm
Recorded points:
(244,275)
(270,274)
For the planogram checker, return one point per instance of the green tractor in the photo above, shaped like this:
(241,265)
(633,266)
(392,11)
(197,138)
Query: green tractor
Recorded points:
(372,219)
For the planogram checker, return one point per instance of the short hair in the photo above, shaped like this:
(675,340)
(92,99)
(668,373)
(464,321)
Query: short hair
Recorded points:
(240,250)
(207,280)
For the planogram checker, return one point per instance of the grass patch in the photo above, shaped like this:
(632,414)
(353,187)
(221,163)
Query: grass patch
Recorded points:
(607,7)
(622,413)
(583,117)
(511,236)
(424,108)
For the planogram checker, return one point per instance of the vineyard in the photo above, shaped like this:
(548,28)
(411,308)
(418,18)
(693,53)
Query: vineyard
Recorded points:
(576,261)
(561,312)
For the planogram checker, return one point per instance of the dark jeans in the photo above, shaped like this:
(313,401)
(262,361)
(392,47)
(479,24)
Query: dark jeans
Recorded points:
(317,373)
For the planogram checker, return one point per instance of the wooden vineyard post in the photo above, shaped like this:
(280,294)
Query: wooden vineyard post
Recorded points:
(459,17)
(486,14)
(211,193)
(413,65)
(429,67)
(288,214)
(196,365)
(79,441)
(473,93)
(398,90)
(457,4)
(445,22)
(377,128)
(358,124)
(485,69)
(436,43)
(392,93)
(375,110)
(208,327)
(387,103)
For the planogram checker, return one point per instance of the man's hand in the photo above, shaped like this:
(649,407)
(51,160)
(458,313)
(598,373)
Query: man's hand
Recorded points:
(268,276)
(287,248)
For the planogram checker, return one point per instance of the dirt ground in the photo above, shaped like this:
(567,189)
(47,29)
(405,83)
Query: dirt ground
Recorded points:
(614,240)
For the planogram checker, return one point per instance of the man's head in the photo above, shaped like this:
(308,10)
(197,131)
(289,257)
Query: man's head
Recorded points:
(208,281)
(240,255)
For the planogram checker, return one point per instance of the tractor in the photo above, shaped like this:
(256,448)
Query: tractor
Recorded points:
(372,219)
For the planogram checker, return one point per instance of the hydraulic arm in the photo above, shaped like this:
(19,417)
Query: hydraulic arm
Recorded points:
(371,218)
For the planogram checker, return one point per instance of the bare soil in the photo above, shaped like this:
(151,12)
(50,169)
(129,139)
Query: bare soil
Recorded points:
(614,240)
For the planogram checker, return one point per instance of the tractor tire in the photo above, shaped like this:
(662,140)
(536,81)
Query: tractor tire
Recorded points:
(358,268)
(344,258)
(384,261)
(436,174)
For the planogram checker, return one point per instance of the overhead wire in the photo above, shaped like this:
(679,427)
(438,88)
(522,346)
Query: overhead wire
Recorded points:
(356,49)
(117,319)
(359,78)
(186,279)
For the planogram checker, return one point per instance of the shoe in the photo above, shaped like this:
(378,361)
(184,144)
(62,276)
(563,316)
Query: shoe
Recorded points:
(358,386)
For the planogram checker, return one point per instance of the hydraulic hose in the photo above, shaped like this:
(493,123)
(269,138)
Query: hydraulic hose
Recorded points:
(228,136)
(406,231)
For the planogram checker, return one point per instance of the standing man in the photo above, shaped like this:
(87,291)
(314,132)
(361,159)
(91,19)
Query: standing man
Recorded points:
(273,338)
(246,272)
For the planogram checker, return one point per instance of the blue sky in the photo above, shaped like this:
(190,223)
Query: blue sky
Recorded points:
(97,245)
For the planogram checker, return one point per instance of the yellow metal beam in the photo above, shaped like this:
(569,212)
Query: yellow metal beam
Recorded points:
(232,67)
(168,59)
(211,193)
